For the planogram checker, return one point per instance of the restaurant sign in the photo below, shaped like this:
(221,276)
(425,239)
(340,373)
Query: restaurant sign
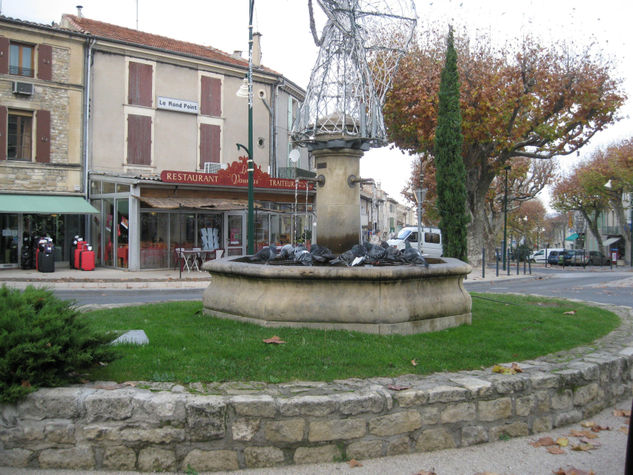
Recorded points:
(235,175)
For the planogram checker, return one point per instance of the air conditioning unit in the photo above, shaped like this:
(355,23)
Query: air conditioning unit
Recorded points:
(24,88)
(212,167)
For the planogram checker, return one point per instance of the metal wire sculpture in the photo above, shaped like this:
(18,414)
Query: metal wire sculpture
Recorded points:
(360,47)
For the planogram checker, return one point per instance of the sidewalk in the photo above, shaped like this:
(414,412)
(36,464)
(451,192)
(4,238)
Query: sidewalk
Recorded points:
(103,277)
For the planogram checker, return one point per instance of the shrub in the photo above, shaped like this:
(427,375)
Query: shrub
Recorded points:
(43,342)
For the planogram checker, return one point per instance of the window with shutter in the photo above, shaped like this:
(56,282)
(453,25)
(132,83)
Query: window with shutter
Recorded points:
(139,139)
(3,133)
(43,136)
(19,135)
(210,96)
(209,144)
(4,55)
(21,59)
(45,62)
(140,81)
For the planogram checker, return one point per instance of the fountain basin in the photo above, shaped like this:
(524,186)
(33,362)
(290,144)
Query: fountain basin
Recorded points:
(386,300)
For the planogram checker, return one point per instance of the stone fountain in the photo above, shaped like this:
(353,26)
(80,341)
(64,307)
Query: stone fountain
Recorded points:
(341,118)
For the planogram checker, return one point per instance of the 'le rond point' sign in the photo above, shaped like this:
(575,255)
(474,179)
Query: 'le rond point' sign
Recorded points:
(235,175)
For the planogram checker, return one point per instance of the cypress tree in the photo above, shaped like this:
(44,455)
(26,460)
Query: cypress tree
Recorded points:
(450,169)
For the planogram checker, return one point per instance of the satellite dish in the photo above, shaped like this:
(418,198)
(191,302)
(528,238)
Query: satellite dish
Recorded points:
(294,155)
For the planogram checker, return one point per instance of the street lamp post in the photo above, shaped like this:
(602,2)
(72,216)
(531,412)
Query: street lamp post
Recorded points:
(250,223)
(420,194)
(505,216)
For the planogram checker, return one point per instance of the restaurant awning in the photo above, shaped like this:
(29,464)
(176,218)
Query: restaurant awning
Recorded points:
(572,237)
(610,241)
(45,204)
(215,204)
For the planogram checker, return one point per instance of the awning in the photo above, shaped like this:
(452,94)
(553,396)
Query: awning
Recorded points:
(572,237)
(215,204)
(45,204)
(610,241)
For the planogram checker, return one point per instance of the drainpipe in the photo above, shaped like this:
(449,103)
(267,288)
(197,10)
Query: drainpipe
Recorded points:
(85,126)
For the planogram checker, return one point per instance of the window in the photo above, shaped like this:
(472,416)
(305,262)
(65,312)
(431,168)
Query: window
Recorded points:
(210,96)
(21,60)
(139,139)
(19,135)
(209,144)
(140,84)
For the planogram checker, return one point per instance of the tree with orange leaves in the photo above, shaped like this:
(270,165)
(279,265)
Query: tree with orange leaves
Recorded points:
(530,101)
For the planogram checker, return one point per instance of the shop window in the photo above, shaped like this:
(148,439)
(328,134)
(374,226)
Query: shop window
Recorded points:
(19,135)
(139,139)
(210,231)
(154,240)
(21,59)
(140,82)
(262,229)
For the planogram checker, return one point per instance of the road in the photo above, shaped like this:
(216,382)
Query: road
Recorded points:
(611,287)
(132,296)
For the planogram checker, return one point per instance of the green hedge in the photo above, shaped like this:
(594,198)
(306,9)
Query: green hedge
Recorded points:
(43,342)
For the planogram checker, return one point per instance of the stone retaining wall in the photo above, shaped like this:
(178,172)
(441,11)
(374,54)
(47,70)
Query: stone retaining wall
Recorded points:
(237,425)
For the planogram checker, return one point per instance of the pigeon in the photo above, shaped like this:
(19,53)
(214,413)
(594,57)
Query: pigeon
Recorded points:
(413,256)
(264,255)
(358,250)
(286,252)
(303,256)
(344,259)
(375,253)
(321,254)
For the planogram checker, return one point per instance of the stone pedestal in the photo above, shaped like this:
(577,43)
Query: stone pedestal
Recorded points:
(338,202)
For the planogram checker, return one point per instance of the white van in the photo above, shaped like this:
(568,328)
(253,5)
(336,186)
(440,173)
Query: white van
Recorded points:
(431,240)
(540,256)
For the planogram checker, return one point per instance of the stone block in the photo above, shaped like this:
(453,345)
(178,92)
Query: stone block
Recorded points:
(434,439)
(463,411)
(495,409)
(411,397)
(114,405)
(430,415)
(398,423)
(165,407)
(51,403)
(477,387)
(290,430)
(263,457)
(447,394)
(509,384)
(473,435)
(100,432)
(76,458)
(513,429)
(245,429)
(17,458)
(317,406)
(210,460)
(323,454)
(154,459)
(337,429)
(562,400)
(352,404)
(585,394)
(364,449)
(205,417)
(399,446)
(253,405)
(119,458)
(542,424)
(566,418)
(158,435)
(524,405)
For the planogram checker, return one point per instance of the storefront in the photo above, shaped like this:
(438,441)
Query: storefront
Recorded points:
(25,217)
(141,223)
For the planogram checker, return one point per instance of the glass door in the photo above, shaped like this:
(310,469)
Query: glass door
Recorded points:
(235,238)
(9,240)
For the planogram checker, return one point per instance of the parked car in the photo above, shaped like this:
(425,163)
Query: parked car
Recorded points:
(596,258)
(560,256)
(431,240)
(540,257)
(579,257)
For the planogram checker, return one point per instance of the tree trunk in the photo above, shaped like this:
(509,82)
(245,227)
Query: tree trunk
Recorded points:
(618,208)
(592,224)
(477,186)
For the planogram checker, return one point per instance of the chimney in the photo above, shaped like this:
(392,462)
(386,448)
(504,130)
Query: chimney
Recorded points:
(257,50)
(79,14)
(237,54)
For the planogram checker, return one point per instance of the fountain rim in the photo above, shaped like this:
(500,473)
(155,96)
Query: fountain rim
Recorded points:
(229,265)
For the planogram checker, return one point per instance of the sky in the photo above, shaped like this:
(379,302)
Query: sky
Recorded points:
(288,47)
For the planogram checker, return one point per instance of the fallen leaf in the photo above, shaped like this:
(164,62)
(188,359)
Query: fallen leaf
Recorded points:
(624,429)
(582,447)
(543,442)
(394,387)
(425,472)
(562,441)
(516,368)
(355,463)
(414,363)
(555,450)
(621,413)
(573,471)
(503,370)
(587,424)
(571,312)
(274,340)
(598,428)
(26,384)
(583,433)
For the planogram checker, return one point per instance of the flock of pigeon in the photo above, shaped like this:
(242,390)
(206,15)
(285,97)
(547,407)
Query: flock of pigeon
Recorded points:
(365,254)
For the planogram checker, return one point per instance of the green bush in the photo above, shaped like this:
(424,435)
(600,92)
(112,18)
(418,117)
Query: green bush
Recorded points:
(43,342)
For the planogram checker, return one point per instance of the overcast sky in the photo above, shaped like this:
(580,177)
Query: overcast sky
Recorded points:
(288,47)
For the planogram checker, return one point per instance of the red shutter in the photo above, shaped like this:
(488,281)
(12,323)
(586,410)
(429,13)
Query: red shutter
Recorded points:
(43,136)
(209,144)
(140,84)
(3,133)
(139,139)
(211,96)
(4,55)
(45,62)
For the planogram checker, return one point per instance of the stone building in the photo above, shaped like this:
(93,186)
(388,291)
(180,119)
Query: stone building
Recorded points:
(42,173)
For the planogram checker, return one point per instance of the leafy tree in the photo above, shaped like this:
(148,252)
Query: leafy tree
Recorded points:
(451,174)
(529,101)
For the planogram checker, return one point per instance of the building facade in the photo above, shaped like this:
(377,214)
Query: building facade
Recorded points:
(42,173)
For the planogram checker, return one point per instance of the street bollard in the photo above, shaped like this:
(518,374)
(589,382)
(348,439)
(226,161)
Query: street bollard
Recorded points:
(518,263)
(524,266)
(508,261)
(483,262)
(530,267)
(497,259)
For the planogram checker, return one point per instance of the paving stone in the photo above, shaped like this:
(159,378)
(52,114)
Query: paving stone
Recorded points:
(210,460)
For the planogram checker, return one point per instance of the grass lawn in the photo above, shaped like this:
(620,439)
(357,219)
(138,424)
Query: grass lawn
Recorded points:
(187,346)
